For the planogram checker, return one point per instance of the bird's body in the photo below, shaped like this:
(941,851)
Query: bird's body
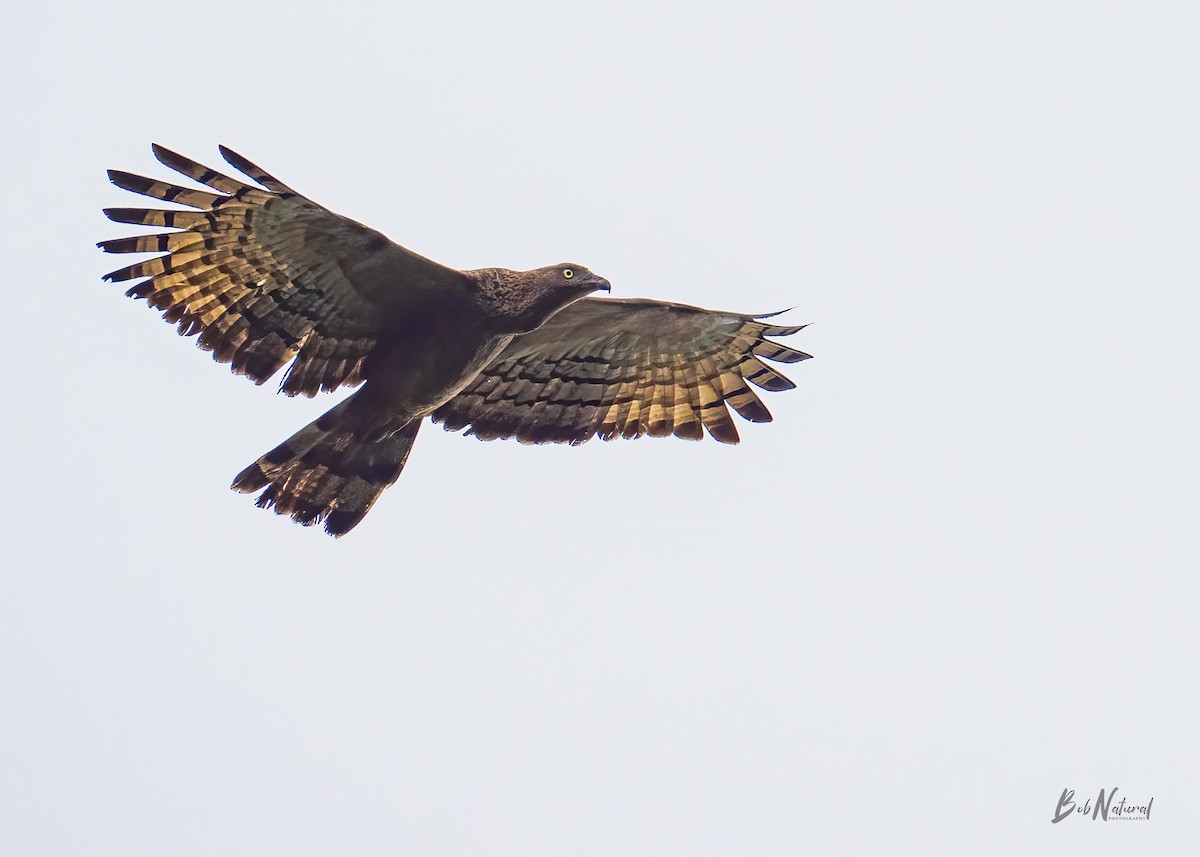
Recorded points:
(267,277)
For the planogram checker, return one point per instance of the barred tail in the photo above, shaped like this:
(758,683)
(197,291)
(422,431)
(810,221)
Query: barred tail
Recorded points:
(328,472)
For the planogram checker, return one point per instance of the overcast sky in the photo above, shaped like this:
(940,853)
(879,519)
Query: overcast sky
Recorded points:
(956,575)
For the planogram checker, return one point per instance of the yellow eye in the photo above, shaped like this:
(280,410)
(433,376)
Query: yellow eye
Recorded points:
(568,273)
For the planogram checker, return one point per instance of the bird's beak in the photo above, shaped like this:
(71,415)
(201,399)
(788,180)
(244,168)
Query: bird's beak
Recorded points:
(598,284)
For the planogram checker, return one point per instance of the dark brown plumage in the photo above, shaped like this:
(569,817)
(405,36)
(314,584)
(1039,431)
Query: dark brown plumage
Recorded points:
(267,278)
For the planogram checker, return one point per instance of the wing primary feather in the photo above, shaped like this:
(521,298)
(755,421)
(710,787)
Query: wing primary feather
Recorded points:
(164,242)
(761,375)
(156,217)
(742,399)
(779,353)
(780,330)
(204,175)
(255,172)
(164,191)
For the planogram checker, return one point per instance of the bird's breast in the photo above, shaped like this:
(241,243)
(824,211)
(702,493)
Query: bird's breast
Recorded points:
(417,370)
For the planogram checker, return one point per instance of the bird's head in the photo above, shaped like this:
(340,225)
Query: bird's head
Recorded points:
(569,278)
(529,298)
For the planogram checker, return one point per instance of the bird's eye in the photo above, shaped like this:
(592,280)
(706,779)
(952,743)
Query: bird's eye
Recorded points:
(568,273)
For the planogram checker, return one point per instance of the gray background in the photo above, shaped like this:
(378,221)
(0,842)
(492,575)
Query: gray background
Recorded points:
(955,576)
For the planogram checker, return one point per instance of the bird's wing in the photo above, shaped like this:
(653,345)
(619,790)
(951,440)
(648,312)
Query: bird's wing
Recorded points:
(625,368)
(266,276)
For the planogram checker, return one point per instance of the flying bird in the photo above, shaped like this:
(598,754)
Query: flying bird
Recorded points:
(266,278)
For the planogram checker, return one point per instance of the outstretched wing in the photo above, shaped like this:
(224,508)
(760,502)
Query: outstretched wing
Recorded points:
(625,368)
(266,276)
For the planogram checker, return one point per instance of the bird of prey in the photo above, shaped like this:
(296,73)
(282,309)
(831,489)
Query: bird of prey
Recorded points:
(267,278)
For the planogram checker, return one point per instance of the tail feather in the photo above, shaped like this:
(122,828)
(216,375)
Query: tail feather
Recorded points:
(328,472)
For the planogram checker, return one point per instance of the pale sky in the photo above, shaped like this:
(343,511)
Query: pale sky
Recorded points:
(955,576)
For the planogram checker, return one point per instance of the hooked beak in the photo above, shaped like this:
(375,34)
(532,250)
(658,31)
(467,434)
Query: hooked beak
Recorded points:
(597,284)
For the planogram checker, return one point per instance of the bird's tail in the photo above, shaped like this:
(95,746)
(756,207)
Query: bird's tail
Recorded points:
(332,470)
